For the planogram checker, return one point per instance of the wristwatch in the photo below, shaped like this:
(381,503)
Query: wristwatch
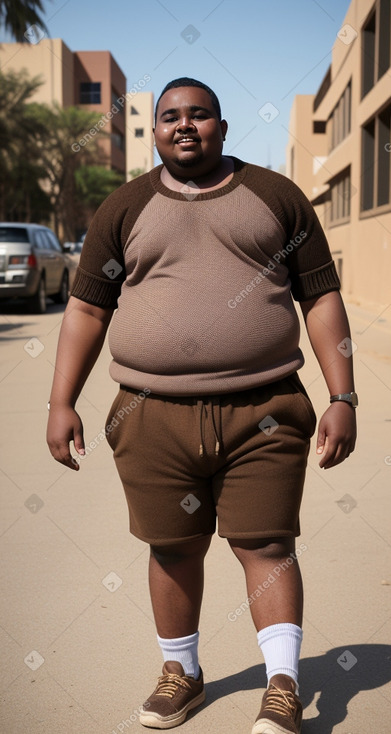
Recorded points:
(346,397)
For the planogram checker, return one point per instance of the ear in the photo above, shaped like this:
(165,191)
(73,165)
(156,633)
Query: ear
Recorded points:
(224,128)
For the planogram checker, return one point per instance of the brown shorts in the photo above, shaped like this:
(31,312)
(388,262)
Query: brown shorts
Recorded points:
(241,456)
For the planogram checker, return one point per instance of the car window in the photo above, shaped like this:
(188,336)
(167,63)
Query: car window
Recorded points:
(39,240)
(53,242)
(13,234)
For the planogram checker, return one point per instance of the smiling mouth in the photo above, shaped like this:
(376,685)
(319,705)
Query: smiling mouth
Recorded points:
(186,141)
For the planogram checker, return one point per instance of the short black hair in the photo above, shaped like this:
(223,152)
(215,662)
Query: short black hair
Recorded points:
(185,81)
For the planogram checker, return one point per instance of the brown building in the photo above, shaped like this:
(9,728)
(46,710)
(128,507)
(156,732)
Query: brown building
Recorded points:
(99,85)
(339,152)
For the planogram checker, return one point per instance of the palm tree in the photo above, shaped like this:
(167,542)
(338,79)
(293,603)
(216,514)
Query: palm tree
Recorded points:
(16,16)
(62,128)
(20,167)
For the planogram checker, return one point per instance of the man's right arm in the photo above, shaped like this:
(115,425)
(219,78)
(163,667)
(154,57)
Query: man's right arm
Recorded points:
(82,335)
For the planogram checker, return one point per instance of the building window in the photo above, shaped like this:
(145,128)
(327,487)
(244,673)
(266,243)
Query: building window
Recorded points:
(340,119)
(139,132)
(114,101)
(133,110)
(118,140)
(376,46)
(90,93)
(339,210)
(319,127)
(376,168)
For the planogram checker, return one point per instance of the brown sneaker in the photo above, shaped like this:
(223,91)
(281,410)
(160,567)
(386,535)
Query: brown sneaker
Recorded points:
(174,695)
(281,712)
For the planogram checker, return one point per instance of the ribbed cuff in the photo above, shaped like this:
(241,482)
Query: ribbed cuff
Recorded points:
(316,282)
(94,290)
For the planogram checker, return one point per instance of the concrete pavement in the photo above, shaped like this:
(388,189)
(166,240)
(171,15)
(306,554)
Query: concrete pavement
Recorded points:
(79,646)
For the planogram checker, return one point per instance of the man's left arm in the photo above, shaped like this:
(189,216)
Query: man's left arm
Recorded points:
(327,326)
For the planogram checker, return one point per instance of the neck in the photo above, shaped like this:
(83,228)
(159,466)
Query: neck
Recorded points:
(224,167)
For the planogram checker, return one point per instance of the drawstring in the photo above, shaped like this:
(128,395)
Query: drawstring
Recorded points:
(201,407)
(216,401)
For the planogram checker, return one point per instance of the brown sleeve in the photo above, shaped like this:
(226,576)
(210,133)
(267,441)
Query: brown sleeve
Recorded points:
(306,252)
(101,269)
(311,266)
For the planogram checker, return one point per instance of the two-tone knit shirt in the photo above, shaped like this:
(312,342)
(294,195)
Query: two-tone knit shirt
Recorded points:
(203,282)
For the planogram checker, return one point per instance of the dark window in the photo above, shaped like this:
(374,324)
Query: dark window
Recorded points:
(40,241)
(53,242)
(339,209)
(13,234)
(90,93)
(384,37)
(376,46)
(340,118)
(114,100)
(319,126)
(383,157)
(376,168)
(118,140)
(133,111)
(139,132)
(368,54)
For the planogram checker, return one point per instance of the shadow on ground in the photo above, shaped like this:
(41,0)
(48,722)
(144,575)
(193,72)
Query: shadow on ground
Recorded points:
(338,676)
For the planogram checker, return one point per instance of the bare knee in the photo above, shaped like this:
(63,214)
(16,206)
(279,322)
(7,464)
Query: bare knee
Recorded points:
(194,550)
(267,549)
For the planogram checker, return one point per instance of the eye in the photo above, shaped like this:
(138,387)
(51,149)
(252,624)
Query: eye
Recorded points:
(169,119)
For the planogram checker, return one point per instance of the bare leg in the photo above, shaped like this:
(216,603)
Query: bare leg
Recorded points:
(176,582)
(282,600)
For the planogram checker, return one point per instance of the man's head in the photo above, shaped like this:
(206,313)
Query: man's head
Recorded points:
(185,81)
(189,131)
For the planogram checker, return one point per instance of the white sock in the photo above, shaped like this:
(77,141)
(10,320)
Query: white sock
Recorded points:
(280,645)
(184,650)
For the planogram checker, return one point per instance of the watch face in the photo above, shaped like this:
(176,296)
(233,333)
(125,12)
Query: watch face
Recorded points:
(354,397)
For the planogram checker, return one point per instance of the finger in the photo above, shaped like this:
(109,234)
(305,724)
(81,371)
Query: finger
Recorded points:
(78,442)
(63,456)
(321,441)
(329,452)
(337,456)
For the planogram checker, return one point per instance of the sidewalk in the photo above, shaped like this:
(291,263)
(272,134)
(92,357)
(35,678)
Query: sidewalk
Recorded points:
(79,646)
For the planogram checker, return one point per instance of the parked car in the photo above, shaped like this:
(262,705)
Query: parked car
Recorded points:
(33,265)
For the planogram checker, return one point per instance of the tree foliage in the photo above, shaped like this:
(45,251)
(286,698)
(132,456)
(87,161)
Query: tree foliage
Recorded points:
(20,161)
(16,16)
(44,171)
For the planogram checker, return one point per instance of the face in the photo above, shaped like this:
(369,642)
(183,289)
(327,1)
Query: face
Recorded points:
(188,134)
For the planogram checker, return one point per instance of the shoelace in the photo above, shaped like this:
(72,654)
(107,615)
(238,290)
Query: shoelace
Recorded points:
(280,702)
(168,685)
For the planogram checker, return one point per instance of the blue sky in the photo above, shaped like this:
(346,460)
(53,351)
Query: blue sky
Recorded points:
(251,52)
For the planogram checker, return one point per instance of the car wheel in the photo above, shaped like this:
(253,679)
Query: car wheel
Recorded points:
(63,294)
(37,302)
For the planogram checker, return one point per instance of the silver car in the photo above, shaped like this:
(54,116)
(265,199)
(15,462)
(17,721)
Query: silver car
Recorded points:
(32,265)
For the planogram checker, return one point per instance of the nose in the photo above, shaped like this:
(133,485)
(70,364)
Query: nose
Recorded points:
(185,124)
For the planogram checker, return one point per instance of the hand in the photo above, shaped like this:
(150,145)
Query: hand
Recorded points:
(64,425)
(336,434)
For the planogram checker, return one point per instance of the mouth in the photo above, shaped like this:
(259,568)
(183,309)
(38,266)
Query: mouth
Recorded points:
(186,141)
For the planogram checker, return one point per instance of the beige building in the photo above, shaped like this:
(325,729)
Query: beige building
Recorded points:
(94,81)
(89,79)
(139,124)
(339,152)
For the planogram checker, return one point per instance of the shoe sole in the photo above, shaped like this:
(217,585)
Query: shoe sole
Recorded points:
(167,722)
(264,726)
